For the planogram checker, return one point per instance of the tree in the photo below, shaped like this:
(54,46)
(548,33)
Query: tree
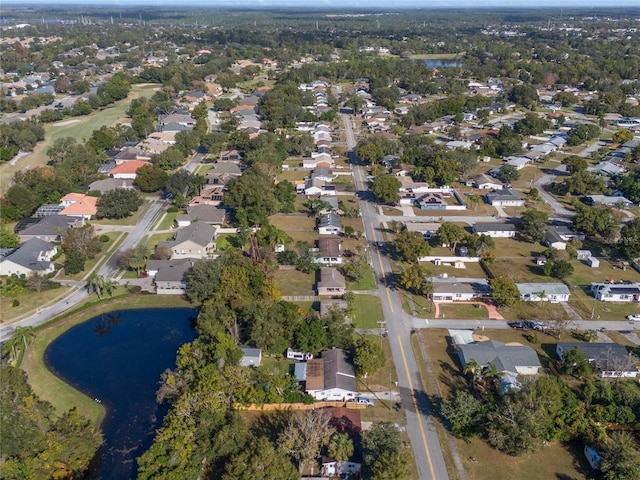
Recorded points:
(508,173)
(386,188)
(8,239)
(74,261)
(368,356)
(305,435)
(139,257)
(20,339)
(202,279)
(354,270)
(596,220)
(382,451)
(119,203)
(504,292)
(36,281)
(630,239)
(369,152)
(622,136)
(83,239)
(260,462)
(410,246)
(341,449)
(465,414)
(151,178)
(576,363)
(560,269)
(574,164)
(620,457)
(451,234)
(525,95)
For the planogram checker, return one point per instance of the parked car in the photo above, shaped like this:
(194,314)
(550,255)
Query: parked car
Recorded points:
(348,254)
(634,318)
(363,401)
(518,325)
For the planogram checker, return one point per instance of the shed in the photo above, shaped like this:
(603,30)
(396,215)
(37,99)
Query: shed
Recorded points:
(251,357)
(593,262)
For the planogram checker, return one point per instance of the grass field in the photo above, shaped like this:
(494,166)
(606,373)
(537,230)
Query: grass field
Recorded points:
(78,130)
(293,282)
(464,310)
(553,461)
(167,221)
(28,302)
(367,311)
(368,282)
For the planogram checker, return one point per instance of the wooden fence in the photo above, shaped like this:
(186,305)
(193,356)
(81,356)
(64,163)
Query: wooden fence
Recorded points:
(270,407)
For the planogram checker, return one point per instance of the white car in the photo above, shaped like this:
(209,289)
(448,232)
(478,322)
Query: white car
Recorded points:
(634,318)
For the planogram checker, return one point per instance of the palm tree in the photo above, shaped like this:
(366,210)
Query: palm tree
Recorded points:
(21,336)
(95,283)
(492,375)
(340,448)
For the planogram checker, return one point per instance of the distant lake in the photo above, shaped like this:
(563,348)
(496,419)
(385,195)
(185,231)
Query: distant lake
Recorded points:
(431,63)
(117,358)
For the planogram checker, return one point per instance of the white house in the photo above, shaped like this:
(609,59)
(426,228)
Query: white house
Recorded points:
(453,290)
(332,376)
(495,230)
(329,224)
(546,292)
(33,256)
(616,292)
(504,198)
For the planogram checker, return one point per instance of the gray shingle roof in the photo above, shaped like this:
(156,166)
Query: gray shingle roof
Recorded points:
(54,225)
(338,370)
(200,233)
(505,358)
(29,253)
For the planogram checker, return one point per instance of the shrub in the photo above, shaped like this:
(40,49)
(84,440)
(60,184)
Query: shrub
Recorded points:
(15,303)
(172,209)
(135,289)
(104,238)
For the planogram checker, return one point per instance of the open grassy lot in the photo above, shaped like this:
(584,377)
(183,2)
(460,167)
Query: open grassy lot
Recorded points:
(368,282)
(49,387)
(29,302)
(464,310)
(298,227)
(534,311)
(292,175)
(293,282)
(585,304)
(553,461)
(167,221)
(78,130)
(367,311)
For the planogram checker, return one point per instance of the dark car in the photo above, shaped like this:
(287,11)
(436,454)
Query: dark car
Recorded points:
(348,254)
(518,325)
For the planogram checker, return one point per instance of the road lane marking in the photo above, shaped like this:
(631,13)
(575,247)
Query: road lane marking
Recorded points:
(415,405)
(382,274)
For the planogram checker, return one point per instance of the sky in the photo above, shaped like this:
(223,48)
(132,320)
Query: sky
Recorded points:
(390,4)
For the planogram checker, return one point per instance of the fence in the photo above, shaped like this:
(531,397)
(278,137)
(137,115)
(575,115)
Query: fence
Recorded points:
(301,298)
(270,407)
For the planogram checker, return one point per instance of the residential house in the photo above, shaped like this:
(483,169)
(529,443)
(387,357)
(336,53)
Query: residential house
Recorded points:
(127,170)
(428,229)
(176,122)
(495,230)
(230,156)
(484,182)
(109,184)
(49,229)
(324,174)
(158,142)
(223,172)
(504,198)
(168,275)
(407,185)
(616,292)
(79,205)
(346,421)
(328,252)
(130,153)
(546,292)
(251,357)
(459,145)
(608,200)
(202,213)
(313,186)
(331,282)
(554,240)
(331,377)
(453,290)
(209,195)
(329,224)
(610,359)
(431,201)
(515,359)
(33,256)
(198,240)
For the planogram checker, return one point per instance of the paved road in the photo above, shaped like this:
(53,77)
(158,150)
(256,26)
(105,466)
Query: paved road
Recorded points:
(420,424)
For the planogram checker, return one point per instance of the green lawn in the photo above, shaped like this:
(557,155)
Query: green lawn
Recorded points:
(368,282)
(293,282)
(167,221)
(152,240)
(29,302)
(464,310)
(367,311)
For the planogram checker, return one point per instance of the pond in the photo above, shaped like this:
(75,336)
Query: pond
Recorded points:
(117,359)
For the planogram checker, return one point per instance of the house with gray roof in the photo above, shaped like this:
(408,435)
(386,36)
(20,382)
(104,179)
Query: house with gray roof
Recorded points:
(109,184)
(329,224)
(554,292)
(198,240)
(331,282)
(610,359)
(33,256)
(517,359)
(608,200)
(616,292)
(504,198)
(331,377)
(251,357)
(50,229)
(211,214)
(452,289)
(495,230)
(328,252)
(223,172)
(168,275)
